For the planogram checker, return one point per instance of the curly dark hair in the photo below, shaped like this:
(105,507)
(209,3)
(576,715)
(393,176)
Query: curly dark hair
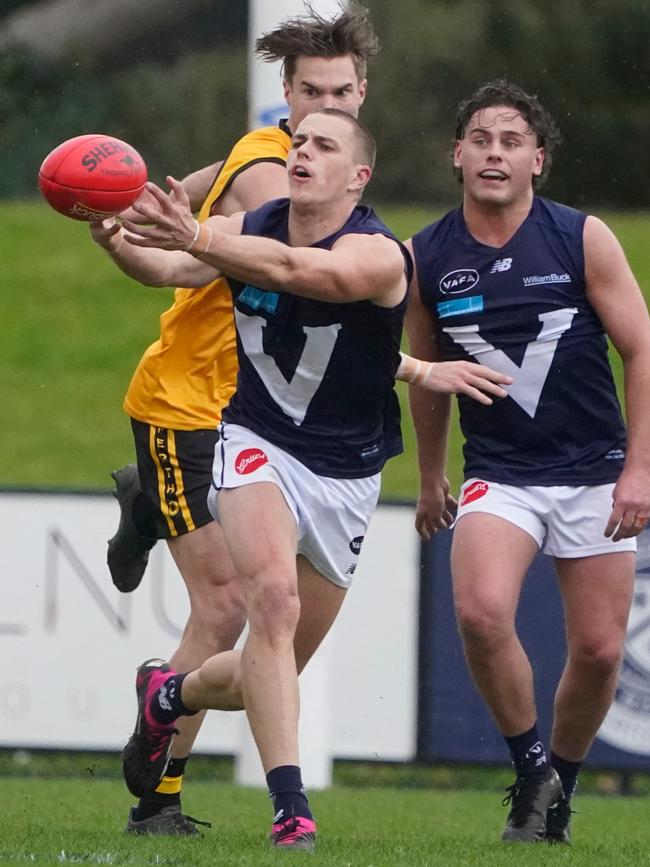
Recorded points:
(311,35)
(504,92)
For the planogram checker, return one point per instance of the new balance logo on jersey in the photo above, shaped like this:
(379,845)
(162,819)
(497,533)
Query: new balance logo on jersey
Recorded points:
(501,265)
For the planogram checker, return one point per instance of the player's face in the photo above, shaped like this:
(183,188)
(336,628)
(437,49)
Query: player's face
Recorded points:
(498,157)
(323,82)
(323,163)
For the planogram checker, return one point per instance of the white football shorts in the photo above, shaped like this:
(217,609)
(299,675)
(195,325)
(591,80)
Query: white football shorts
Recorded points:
(332,515)
(565,521)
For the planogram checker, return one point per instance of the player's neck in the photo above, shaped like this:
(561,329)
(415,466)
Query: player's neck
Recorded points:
(493,224)
(311,223)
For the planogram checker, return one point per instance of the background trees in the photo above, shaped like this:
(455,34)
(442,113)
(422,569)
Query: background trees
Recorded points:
(170,78)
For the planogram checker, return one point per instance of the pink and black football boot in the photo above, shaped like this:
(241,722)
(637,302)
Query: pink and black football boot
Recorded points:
(147,753)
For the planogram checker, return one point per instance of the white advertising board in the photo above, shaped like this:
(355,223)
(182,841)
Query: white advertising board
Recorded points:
(266,103)
(70,642)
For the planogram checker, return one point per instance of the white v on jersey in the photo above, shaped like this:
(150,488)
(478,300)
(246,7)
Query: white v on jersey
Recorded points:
(561,423)
(316,378)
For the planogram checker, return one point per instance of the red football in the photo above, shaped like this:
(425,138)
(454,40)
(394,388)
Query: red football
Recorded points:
(90,177)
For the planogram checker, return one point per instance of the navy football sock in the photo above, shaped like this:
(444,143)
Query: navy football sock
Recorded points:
(166,704)
(287,793)
(527,751)
(568,772)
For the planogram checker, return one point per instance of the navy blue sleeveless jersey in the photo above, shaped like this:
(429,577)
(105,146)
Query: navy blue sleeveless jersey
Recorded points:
(316,378)
(521,309)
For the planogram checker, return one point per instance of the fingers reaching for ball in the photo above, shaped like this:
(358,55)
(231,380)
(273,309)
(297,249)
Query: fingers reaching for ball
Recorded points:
(103,232)
(165,219)
(133,215)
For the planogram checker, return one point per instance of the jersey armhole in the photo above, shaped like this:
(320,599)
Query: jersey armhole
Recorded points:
(241,169)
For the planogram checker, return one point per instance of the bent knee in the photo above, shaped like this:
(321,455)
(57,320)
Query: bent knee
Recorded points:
(600,659)
(483,622)
(217,616)
(272,602)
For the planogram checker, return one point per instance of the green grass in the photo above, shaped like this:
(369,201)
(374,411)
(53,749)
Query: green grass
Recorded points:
(73,330)
(82,821)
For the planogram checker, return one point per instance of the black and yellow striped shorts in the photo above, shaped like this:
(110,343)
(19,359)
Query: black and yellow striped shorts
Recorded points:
(175,469)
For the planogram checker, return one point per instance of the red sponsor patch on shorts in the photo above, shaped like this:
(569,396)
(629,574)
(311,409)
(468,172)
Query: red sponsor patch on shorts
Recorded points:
(249,460)
(474,492)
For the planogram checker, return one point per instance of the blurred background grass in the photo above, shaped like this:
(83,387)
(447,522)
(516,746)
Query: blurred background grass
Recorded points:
(73,329)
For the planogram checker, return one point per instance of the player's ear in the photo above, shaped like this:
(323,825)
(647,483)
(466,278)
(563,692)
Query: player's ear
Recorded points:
(362,175)
(539,162)
(458,147)
(363,89)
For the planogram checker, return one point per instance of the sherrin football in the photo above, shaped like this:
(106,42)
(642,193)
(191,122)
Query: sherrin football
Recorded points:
(93,176)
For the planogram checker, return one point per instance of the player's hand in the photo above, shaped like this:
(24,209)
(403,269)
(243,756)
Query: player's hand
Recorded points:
(435,510)
(631,510)
(464,377)
(103,232)
(166,219)
(133,216)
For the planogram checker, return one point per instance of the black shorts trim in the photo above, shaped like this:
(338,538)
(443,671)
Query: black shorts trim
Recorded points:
(175,469)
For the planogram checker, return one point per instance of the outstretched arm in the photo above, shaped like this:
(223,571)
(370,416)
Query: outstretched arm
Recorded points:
(357,267)
(153,266)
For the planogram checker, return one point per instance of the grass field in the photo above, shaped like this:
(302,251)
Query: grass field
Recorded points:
(73,330)
(82,821)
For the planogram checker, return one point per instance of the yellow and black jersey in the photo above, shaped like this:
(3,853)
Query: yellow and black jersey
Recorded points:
(185,378)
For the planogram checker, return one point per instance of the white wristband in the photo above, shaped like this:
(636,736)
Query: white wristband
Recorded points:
(413,378)
(196,235)
(428,372)
(207,243)
(401,370)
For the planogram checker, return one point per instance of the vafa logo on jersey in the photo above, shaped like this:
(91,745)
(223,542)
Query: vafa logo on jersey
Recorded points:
(464,279)
(460,280)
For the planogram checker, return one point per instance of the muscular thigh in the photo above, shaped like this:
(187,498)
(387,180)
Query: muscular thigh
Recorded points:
(260,531)
(175,469)
(202,557)
(597,595)
(489,560)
